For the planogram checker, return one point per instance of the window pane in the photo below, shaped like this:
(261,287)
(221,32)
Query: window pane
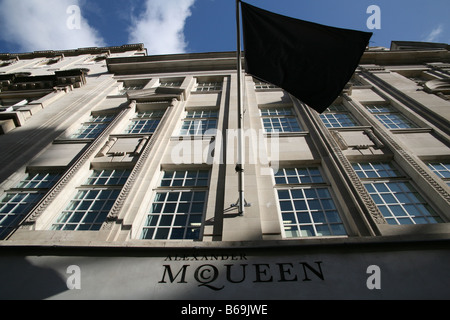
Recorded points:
(89,208)
(166,220)
(13,208)
(311,210)
(177,233)
(162,233)
(307,231)
(182,211)
(400,203)
(285,205)
(442,170)
(278,119)
(291,231)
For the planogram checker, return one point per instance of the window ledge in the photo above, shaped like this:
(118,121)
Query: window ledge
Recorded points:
(414,229)
(268,89)
(285,134)
(72,141)
(206,92)
(355,128)
(192,137)
(411,130)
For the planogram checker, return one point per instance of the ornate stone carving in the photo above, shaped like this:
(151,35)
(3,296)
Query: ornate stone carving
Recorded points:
(373,138)
(118,205)
(419,169)
(108,145)
(52,194)
(361,190)
(341,141)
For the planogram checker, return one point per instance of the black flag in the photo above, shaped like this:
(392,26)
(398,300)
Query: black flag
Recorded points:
(312,62)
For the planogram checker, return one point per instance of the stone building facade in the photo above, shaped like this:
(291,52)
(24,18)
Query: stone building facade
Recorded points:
(116,164)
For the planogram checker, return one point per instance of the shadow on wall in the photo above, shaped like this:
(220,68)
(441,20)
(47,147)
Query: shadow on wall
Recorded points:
(21,280)
(21,145)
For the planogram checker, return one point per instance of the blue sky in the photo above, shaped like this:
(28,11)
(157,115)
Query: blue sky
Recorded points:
(174,26)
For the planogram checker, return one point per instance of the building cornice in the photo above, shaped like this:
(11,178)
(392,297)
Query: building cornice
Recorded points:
(405,57)
(72,52)
(213,61)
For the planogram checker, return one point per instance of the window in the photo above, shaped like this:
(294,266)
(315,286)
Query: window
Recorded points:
(178,207)
(108,177)
(279,119)
(337,116)
(198,122)
(170,83)
(133,85)
(18,202)
(375,170)
(39,181)
(209,86)
(441,169)
(93,201)
(93,127)
(394,195)
(260,85)
(306,204)
(185,178)
(145,121)
(390,117)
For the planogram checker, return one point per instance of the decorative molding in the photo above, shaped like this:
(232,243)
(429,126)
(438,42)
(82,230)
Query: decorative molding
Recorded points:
(437,86)
(61,80)
(340,141)
(108,145)
(440,67)
(113,215)
(355,182)
(394,146)
(68,175)
(417,167)
(141,145)
(73,52)
(373,68)
(389,92)
(374,138)
(9,62)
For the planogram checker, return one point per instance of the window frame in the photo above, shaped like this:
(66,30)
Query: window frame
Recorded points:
(380,111)
(93,127)
(151,224)
(326,206)
(143,118)
(338,109)
(384,200)
(279,113)
(24,187)
(446,164)
(189,123)
(171,83)
(263,86)
(133,85)
(75,207)
(208,86)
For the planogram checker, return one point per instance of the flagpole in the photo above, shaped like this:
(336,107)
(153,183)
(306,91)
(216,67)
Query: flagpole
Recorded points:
(240,162)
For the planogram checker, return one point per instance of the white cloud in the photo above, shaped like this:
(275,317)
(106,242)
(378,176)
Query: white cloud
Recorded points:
(434,34)
(35,25)
(161,26)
